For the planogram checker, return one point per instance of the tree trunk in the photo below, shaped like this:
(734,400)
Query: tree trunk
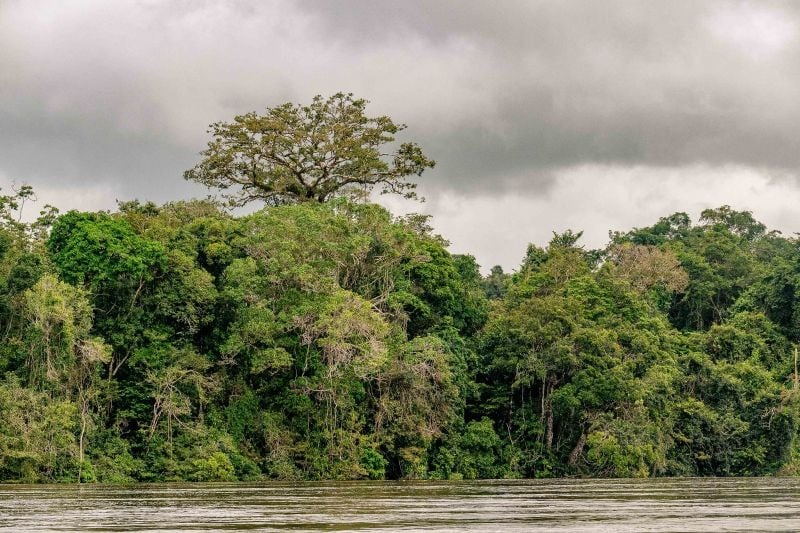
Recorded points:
(577,450)
(84,415)
(548,407)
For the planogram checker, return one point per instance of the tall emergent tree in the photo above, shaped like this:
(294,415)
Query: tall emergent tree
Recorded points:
(297,153)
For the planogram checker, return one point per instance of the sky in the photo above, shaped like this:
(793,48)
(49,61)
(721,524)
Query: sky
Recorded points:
(542,116)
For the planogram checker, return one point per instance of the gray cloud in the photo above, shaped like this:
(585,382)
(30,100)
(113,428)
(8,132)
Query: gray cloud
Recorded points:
(509,97)
(604,82)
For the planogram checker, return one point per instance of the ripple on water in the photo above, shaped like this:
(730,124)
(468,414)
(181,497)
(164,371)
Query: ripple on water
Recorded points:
(741,504)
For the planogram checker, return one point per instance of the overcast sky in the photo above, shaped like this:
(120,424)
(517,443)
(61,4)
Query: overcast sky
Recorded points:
(542,116)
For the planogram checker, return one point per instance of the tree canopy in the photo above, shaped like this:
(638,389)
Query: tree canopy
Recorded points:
(324,338)
(334,340)
(300,153)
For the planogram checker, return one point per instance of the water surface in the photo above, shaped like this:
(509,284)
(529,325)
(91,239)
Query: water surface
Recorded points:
(764,504)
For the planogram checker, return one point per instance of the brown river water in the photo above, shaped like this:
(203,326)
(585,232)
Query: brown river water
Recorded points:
(733,504)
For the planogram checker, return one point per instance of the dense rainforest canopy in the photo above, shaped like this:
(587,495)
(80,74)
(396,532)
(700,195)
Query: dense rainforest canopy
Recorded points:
(333,340)
(325,338)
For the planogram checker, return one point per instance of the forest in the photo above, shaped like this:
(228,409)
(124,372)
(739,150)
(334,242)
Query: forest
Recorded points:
(322,337)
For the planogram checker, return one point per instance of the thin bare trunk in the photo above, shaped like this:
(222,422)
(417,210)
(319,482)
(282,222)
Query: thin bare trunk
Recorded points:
(548,405)
(577,450)
(84,417)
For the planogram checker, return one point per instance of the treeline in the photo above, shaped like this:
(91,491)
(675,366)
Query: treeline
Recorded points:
(333,340)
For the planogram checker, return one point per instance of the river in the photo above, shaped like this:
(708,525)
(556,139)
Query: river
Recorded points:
(733,504)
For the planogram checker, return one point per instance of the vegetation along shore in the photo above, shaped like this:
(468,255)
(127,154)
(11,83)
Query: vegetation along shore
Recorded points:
(324,338)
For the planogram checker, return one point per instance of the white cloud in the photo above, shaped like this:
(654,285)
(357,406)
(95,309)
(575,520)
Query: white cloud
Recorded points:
(90,197)
(757,30)
(596,199)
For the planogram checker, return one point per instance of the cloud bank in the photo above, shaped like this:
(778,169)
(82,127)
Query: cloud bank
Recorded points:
(644,101)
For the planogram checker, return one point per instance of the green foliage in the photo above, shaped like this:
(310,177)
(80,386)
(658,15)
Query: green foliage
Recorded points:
(474,453)
(296,153)
(374,463)
(215,467)
(98,250)
(115,265)
(37,435)
(331,340)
